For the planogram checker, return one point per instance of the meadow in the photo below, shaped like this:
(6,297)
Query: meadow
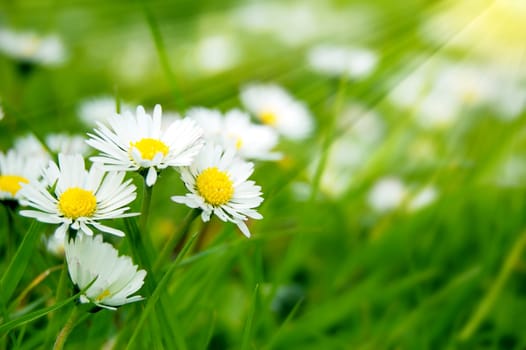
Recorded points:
(283,174)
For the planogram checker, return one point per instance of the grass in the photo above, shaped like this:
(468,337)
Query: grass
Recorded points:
(323,269)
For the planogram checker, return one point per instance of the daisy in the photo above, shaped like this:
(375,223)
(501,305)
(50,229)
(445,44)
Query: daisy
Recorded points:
(234,129)
(76,198)
(54,245)
(273,106)
(17,169)
(387,194)
(422,198)
(95,109)
(30,146)
(217,181)
(136,142)
(333,60)
(215,53)
(116,277)
(67,144)
(32,48)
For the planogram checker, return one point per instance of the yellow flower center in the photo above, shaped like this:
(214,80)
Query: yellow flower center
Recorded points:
(11,183)
(470,96)
(239,143)
(76,202)
(31,46)
(150,147)
(215,186)
(268,117)
(105,293)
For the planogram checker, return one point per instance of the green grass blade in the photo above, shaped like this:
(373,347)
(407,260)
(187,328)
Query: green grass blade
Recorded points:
(17,267)
(6,327)
(249,325)
(161,287)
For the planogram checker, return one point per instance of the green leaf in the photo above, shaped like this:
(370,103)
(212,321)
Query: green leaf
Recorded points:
(6,327)
(17,267)
(161,287)
(247,333)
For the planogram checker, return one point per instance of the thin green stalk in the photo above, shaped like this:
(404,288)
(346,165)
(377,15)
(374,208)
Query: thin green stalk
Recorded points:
(61,294)
(175,239)
(326,143)
(145,208)
(36,281)
(163,55)
(66,330)
(11,233)
(249,323)
(489,299)
(161,286)
(14,272)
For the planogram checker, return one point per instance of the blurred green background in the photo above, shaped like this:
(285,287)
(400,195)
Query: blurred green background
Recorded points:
(399,224)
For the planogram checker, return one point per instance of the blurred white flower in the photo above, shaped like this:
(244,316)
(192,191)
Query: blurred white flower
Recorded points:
(138,53)
(275,107)
(67,144)
(76,198)
(360,131)
(333,60)
(16,169)
(55,245)
(116,277)
(100,109)
(218,184)
(1,112)
(235,130)
(422,198)
(216,53)
(32,48)
(387,194)
(292,23)
(390,193)
(295,23)
(30,146)
(511,172)
(136,141)
(437,110)
(439,92)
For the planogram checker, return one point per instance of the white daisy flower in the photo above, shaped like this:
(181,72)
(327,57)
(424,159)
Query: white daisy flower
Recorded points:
(55,245)
(116,277)
(424,197)
(30,146)
(217,181)
(273,106)
(137,142)
(333,60)
(100,109)
(76,198)
(67,144)
(33,48)
(215,53)
(387,194)
(17,169)
(234,129)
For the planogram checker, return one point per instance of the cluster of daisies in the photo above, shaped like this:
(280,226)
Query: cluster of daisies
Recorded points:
(211,151)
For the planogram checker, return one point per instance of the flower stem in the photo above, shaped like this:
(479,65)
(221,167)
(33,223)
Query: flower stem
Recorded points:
(487,302)
(163,55)
(66,330)
(328,137)
(176,238)
(11,233)
(145,209)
